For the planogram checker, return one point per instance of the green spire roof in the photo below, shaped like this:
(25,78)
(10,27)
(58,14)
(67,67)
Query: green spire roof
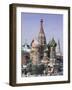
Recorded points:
(52,43)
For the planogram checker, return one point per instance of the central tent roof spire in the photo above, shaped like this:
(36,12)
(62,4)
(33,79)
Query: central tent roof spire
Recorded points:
(41,26)
(41,36)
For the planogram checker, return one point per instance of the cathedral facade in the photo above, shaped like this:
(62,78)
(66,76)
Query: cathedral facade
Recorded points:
(41,50)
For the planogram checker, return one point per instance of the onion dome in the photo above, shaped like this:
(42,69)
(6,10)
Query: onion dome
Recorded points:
(35,43)
(52,43)
(26,48)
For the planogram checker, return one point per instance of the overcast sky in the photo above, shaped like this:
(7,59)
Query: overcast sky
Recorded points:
(52,24)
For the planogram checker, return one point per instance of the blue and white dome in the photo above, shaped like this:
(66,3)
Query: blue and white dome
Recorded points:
(26,48)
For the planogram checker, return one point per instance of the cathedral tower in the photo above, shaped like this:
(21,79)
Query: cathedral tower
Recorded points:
(58,49)
(41,39)
(41,36)
(52,52)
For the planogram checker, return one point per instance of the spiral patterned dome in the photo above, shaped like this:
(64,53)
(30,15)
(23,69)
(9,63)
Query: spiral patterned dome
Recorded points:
(35,43)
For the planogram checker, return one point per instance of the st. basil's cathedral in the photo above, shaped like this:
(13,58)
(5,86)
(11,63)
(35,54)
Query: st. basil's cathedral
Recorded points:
(41,58)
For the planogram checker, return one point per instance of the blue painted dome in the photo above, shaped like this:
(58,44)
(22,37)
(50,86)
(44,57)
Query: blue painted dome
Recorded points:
(26,48)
